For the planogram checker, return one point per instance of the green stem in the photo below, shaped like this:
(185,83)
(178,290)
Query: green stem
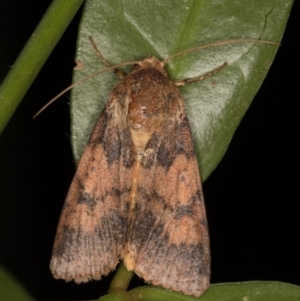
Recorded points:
(33,56)
(121,279)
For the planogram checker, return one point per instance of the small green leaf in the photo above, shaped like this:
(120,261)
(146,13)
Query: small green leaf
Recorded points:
(10,288)
(253,291)
(130,30)
(243,291)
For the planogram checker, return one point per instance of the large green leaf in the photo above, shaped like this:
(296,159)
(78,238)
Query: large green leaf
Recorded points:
(131,30)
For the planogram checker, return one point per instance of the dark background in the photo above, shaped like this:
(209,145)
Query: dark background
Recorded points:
(251,198)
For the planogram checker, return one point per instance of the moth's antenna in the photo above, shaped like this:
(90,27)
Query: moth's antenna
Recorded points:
(82,81)
(119,73)
(103,60)
(217,44)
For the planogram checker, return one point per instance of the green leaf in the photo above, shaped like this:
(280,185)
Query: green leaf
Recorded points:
(253,291)
(131,30)
(10,288)
(243,291)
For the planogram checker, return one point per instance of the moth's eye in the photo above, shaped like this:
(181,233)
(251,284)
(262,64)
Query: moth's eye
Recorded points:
(143,111)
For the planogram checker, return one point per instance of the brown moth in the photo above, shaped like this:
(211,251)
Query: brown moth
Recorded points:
(136,194)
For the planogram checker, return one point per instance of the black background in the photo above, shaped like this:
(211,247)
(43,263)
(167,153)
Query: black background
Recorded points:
(251,198)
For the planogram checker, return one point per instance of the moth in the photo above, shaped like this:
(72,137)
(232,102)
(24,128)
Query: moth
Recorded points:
(137,194)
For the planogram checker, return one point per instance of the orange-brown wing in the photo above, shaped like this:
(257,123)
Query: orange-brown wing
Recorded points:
(168,241)
(92,228)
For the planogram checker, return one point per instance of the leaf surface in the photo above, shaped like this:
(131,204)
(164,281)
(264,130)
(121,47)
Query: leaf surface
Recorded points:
(130,30)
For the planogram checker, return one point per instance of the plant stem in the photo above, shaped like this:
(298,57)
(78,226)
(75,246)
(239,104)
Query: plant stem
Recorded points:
(121,279)
(33,56)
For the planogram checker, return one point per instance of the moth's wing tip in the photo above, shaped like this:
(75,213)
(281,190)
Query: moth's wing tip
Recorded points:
(191,289)
(194,290)
(69,272)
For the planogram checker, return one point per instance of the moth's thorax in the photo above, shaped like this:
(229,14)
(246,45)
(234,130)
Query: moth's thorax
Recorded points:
(148,103)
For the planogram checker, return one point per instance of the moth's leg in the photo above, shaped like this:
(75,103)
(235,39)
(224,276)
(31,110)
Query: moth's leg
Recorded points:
(185,81)
(118,72)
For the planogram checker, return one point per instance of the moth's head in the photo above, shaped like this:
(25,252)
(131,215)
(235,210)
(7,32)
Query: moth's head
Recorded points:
(150,62)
